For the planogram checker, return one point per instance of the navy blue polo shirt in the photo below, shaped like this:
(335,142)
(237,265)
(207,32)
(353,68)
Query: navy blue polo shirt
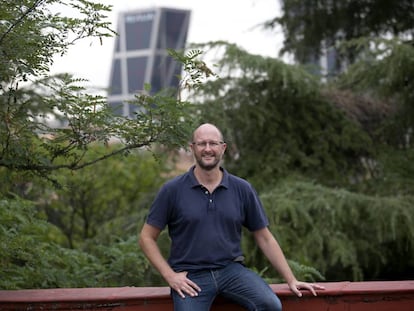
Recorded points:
(205,228)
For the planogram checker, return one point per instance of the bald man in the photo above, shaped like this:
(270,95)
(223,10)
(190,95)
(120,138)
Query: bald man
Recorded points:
(205,210)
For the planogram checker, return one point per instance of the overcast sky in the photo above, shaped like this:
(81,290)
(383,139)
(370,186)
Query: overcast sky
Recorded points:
(235,21)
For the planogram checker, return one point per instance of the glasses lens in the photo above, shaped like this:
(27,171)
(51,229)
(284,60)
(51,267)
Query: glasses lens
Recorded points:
(212,144)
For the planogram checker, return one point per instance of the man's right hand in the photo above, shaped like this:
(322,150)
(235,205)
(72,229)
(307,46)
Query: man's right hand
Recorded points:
(183,285)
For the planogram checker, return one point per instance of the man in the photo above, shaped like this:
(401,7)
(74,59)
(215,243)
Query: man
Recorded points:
(205,210)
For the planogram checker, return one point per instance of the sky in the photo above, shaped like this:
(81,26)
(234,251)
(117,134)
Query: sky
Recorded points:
(235,21)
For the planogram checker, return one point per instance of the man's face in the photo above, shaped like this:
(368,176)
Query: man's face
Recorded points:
(208,148)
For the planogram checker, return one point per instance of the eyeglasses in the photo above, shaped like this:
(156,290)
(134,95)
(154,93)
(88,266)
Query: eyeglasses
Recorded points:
(212,144)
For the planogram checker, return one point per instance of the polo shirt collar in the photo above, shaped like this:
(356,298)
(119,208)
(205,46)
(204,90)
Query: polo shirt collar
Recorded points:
(194,182)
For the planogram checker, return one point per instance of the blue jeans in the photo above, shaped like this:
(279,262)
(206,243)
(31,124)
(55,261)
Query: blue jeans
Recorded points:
(234,282)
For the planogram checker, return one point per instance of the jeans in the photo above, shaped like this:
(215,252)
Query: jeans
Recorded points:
(234,282)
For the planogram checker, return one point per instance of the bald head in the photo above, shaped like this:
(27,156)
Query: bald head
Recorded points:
(207,130)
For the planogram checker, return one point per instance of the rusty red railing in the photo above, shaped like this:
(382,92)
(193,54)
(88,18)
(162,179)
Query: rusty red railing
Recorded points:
(338,296)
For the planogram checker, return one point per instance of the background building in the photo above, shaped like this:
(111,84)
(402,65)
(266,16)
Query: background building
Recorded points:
(140,54)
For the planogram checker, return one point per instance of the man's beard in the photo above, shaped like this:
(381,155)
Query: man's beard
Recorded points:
(207,167)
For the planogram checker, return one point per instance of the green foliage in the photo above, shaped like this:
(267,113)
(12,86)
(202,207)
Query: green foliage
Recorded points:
(32,259)
(275,112)
(257,262)
(395,174)
(96,215)
(311,25)
(303,272)
(102,205)
(122,263)
(161,119)
(280,127)
(196,70)
(280,122)
(31,34)
(99,204)
(342,234)
(387,73)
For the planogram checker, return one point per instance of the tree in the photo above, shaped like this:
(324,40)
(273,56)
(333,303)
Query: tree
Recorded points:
(104,202)
(386,74)
(310,26)
(343,234)
(31,33)
(32,256)
(276,112)
(320,154)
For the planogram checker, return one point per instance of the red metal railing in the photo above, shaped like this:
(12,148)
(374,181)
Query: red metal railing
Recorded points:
(338,296)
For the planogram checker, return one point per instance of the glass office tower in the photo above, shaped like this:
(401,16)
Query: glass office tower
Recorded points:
(140,54)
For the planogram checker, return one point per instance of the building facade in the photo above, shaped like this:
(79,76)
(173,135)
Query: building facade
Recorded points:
(140,54)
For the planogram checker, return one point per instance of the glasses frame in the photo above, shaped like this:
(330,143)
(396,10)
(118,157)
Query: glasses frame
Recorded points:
(212,144)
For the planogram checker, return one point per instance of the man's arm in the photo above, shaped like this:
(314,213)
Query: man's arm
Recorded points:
(271,249)
(178,281)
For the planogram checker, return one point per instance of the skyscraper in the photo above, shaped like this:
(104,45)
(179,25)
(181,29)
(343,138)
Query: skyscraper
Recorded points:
(140,54)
